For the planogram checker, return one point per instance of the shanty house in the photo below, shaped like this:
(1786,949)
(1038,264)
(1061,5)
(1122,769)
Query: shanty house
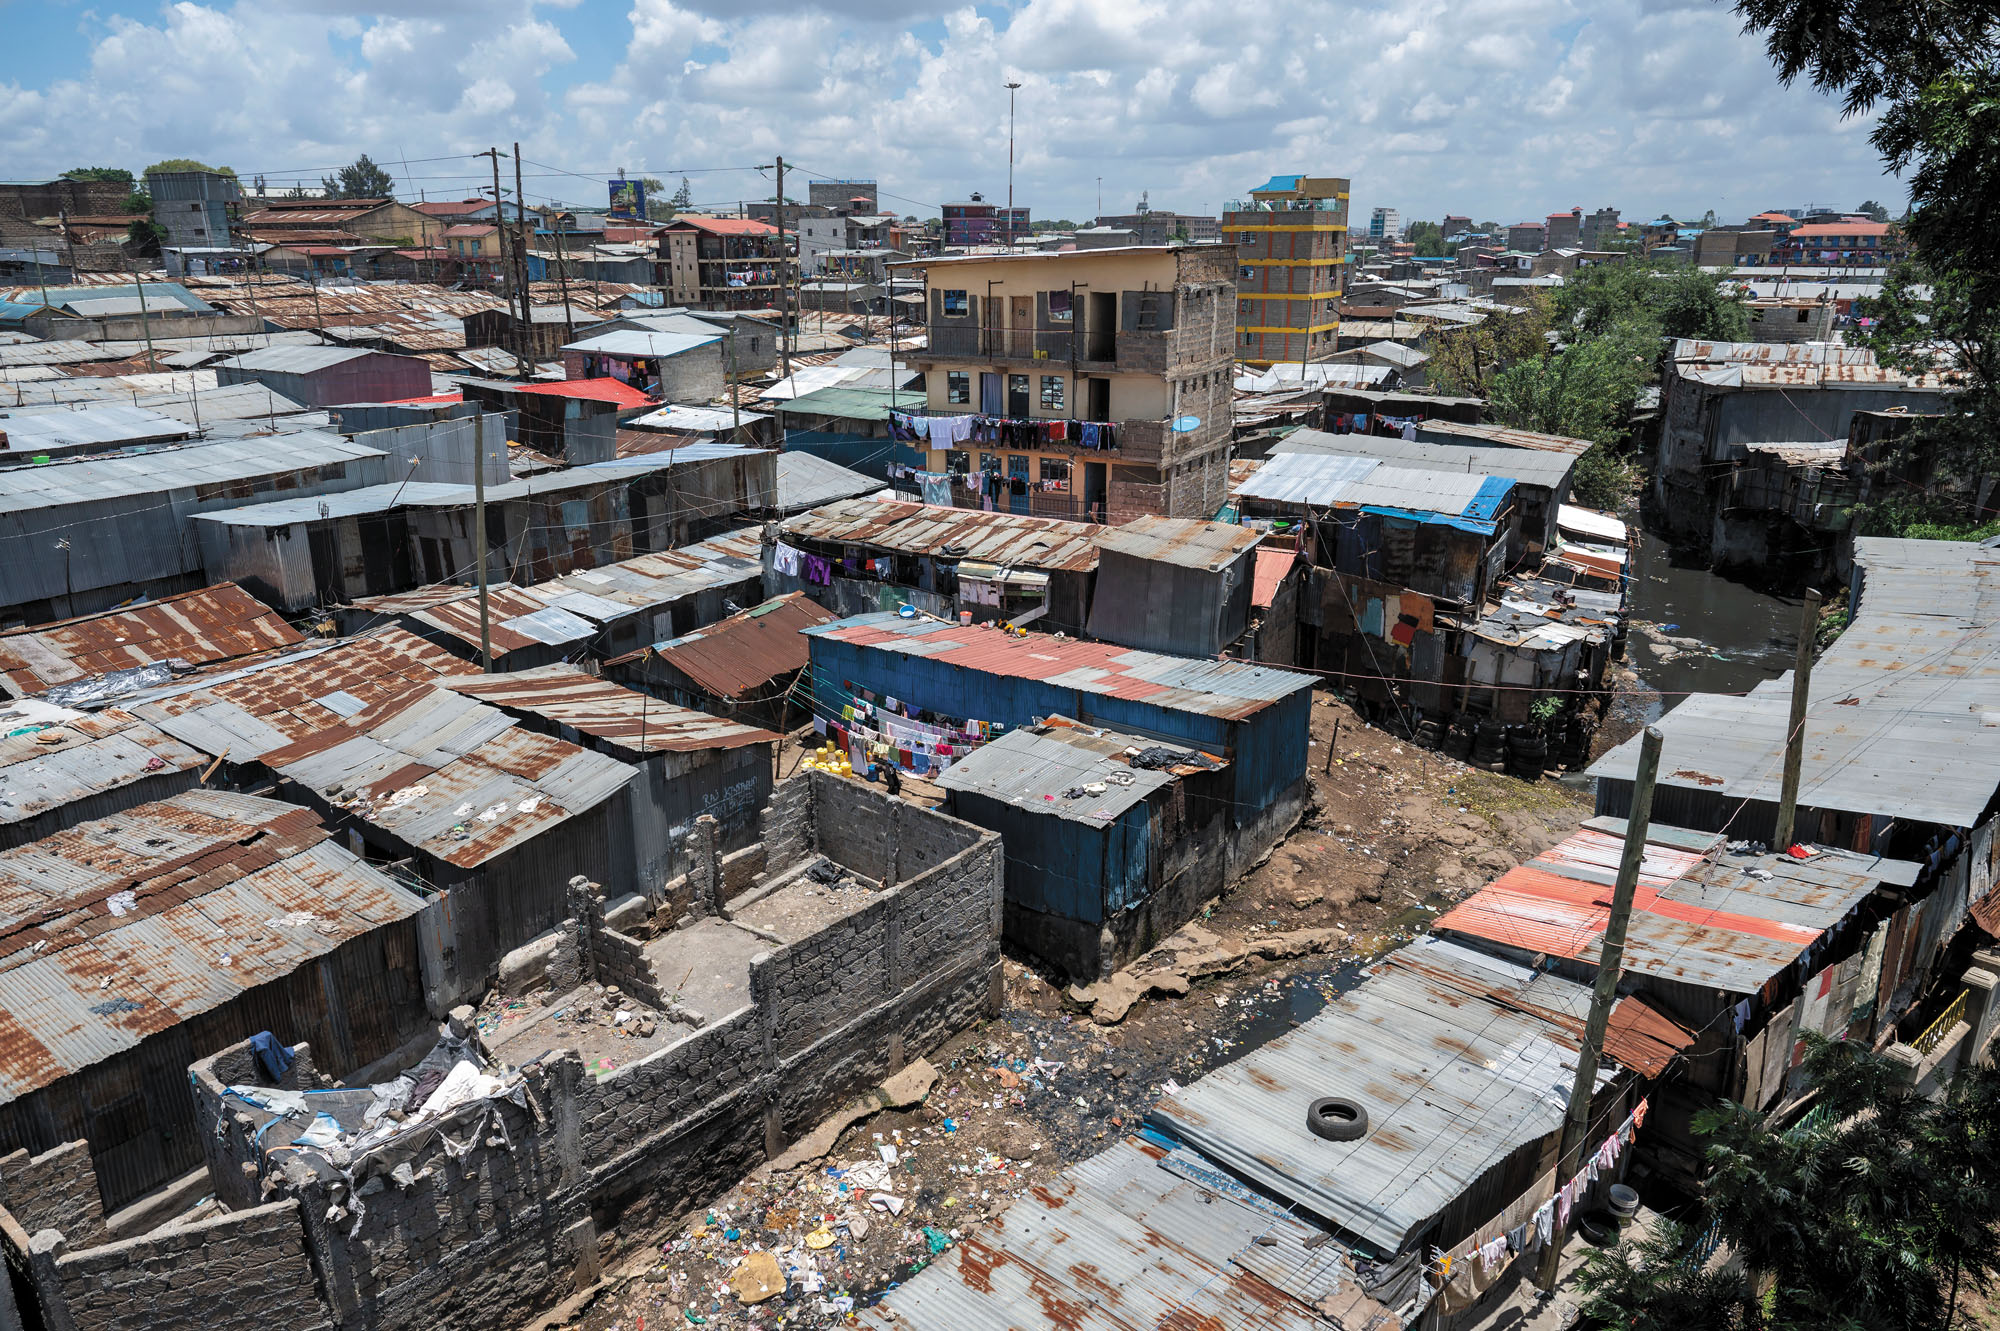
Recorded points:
(60,767)
(1114,840)
(689,763)
(678,367)
(861,555)
(190,630)
(140,942)
(328,376)
(743,667)
(1175,585)
(487,814)
(954,687)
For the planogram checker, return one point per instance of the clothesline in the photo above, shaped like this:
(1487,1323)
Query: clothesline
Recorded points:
(1007,431)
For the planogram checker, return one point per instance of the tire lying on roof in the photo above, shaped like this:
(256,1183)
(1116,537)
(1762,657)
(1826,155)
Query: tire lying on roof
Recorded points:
(1336,1120)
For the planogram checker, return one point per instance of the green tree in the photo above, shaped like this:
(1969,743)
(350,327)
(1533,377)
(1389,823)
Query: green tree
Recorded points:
(1466,359)
(115,174)
(684,196)
(1428,237)
(1931,74)
(145,235)
(1585,389)
(1873,1214)
(1873,211)
(1677,300)
(186,164)
(360,179)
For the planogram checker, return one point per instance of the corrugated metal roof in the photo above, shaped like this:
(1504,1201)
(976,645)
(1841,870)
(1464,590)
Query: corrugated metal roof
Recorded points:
(1904,719)
(450,776)
(1460,1060)
(1227,689)
(740,655)
(1187,542)
(1593,523)
(213,624)
(52,756)
(1328,479)
(692,420)
(268,704)
(854,404)
(346,504)
(1121,1242)
(644,582)
(516,618)
(226,892)
(597,707)
(296,360)
(62,351)
(806,480)
(1699,916)
(1273,567)
(1035,771)
(1009,539)
(92,480)
(630,342)
(1530,441)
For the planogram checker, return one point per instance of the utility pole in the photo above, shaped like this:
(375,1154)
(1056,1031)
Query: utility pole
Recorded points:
(1012,85)
(1610,965)
(784,287)
(735,404)
(145,324)
(1795,733)
(562,281)
(520,251)
(479,532)
(506,268)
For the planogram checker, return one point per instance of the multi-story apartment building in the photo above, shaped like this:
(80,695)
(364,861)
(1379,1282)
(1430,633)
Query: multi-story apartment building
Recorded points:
(1599,230)
(1528,237)
(193,206)
(977,222)
(843,196)
(1156,227)
(1291,257)
(726,263)
(1385,226)
(1045,350)
(1564,231)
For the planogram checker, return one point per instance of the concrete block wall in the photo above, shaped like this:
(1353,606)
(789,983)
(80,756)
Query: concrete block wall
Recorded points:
(235,1161)
(492,1214)
(245,1271)
(54,1190)
(785,826)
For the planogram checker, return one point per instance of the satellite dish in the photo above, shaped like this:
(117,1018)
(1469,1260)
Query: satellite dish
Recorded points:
(1186,424)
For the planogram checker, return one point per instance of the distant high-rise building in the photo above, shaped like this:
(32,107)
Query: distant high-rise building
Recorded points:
(1291,242)
(1565,230)
(1527,237)
(1454,224)
(1600,229)
(843,197)
(193,206)
(1385,226)
(977,222)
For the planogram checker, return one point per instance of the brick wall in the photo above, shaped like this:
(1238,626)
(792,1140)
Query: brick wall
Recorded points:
(54,1190)
(492,1214)
(245,1271)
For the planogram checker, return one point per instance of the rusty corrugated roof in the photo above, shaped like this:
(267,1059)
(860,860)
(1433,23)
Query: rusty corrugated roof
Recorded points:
(52,756)
(263,706)
(1641,1037)
(121,927)
(447,775)
(516,618)
(1699,914)
(216,623)
(1010,539)
(608,711)
(741,654)
(1188,542)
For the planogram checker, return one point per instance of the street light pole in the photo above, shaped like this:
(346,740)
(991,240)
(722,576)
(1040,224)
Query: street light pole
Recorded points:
(1011,87)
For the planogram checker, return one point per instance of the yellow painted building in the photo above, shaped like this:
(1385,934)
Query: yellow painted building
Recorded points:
(1291,247)
(1046,349)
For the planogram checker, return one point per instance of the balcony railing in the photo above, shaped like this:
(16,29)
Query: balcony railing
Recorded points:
(1122,349)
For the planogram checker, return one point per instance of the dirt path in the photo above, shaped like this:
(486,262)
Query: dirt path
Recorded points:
(1397,832)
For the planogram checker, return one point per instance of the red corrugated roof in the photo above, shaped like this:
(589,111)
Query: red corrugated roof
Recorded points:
(1272,566)
(1840,229)
(434,398)
(598,390)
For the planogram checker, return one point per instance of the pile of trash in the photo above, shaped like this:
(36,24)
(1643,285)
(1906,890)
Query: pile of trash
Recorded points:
(343,1122)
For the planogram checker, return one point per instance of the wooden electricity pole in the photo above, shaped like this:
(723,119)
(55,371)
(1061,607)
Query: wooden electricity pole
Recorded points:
(520,251)
(479,533)
(506,267)
(784,287)
(1610,964)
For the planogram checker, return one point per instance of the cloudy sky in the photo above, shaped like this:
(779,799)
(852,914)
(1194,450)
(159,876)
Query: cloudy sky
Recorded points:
(1502,109)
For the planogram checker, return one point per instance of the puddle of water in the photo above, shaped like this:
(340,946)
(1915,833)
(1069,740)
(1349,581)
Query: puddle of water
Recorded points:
(1745,636)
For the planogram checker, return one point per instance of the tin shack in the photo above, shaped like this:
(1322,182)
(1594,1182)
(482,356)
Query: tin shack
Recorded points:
(743,668)
(1113,840)
(1178,585)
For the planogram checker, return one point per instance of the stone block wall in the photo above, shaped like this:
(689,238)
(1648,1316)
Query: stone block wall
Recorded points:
(54,1190)
(245,1271)
(492,1214)
(786,826)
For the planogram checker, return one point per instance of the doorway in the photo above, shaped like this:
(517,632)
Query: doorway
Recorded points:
(1101,329)
(991,403)
(1097,400)
(1021,335)
(1093,491)
(1017,396)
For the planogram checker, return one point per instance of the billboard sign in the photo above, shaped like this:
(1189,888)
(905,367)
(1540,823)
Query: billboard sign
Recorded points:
(628,199)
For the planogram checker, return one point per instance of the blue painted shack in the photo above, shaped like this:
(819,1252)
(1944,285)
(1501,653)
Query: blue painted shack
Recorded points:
(1112,842)
(934,691)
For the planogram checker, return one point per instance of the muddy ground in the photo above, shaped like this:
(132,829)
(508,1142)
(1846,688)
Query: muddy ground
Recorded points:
(1397,833)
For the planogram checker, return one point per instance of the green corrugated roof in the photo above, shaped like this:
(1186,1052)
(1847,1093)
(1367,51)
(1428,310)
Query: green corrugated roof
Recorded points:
(858,404)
